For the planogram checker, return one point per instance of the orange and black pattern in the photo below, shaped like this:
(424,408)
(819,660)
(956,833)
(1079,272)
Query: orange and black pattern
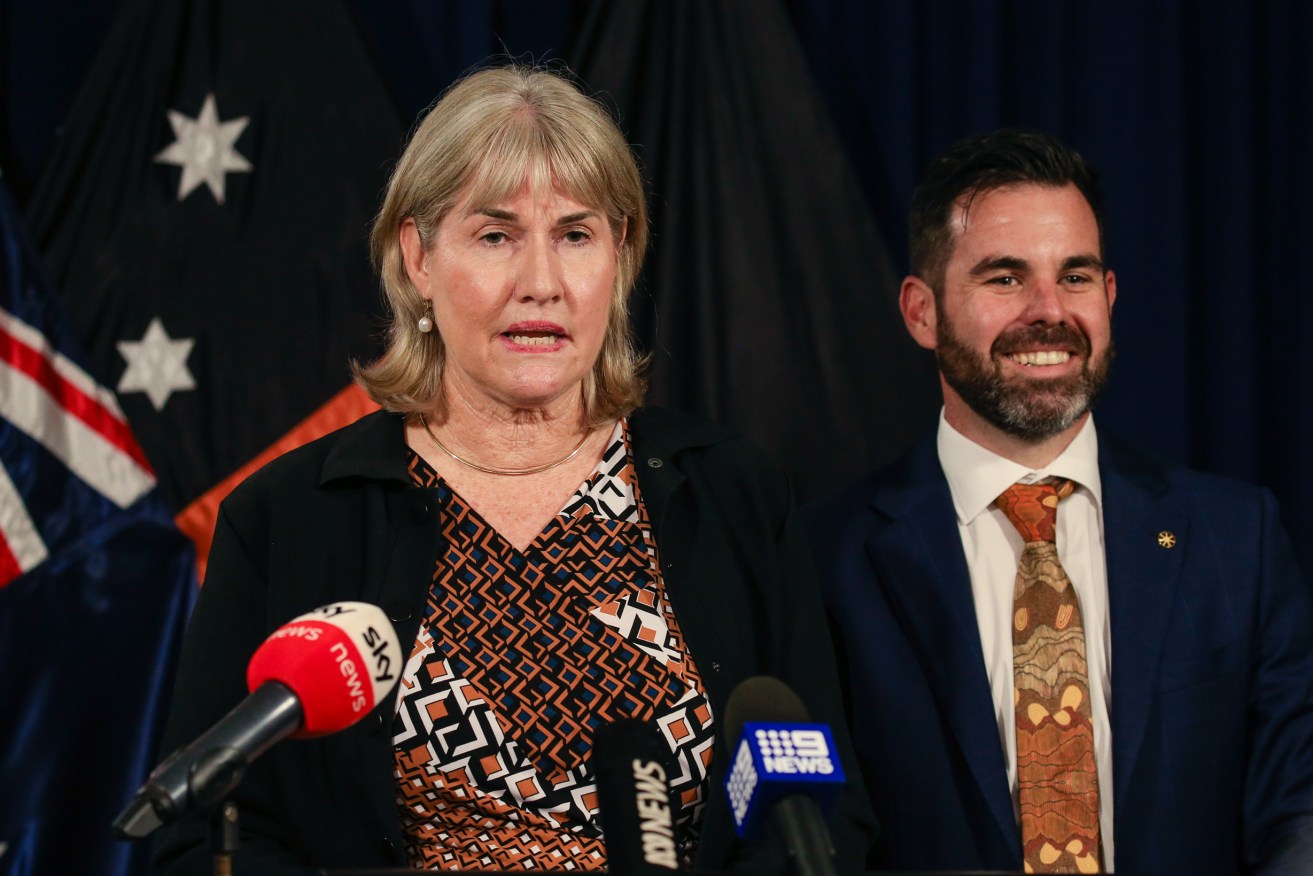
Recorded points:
(520,657)
(1057,778)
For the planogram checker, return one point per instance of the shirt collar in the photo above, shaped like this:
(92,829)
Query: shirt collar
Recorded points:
(977,476)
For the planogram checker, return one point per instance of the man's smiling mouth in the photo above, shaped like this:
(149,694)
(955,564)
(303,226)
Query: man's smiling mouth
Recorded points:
(1040,357)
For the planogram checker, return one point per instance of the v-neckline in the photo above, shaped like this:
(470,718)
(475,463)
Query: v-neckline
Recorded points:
(556,521)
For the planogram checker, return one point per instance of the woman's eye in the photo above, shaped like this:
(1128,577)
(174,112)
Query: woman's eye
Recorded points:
(577,235)
(494,237)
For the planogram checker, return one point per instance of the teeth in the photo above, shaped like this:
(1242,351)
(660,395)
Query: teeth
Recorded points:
(534,340)
(1045,357)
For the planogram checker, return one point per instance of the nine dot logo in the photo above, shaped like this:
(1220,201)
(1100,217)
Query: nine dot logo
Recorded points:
(775,743)
(742,782)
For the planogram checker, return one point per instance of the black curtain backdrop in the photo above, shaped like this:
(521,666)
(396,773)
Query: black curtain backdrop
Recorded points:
(770,286)
(1200,117)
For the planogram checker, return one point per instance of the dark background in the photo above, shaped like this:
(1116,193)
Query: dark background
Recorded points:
(1199,116)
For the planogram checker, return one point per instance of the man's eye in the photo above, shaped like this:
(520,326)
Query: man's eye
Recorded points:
(1075,279)
(1005,281)
(494,237)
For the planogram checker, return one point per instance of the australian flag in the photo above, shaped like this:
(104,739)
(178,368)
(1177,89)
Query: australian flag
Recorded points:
(95,585)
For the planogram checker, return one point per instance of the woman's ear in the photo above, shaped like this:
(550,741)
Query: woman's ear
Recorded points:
(414,257)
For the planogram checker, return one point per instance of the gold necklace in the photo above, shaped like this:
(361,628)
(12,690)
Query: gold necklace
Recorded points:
(509,472)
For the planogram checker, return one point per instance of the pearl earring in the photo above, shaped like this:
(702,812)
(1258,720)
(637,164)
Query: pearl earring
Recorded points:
(425,324)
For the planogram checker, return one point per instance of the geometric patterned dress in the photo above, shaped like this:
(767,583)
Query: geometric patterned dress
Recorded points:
(519,658)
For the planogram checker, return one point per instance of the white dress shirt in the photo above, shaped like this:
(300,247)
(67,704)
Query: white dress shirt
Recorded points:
(976,477)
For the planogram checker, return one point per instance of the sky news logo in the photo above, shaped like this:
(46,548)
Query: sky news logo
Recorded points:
(773,760)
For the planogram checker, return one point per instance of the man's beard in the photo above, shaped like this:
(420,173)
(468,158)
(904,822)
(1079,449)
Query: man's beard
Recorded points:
(1033,409)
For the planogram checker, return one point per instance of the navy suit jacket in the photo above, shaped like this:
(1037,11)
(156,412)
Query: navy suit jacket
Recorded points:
(1212,673)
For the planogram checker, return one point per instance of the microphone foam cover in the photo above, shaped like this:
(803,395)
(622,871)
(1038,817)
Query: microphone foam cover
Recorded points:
(764,699)
(339,660)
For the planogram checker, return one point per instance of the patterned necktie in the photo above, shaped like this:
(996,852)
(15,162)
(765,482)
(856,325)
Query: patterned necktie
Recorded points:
(1057,781)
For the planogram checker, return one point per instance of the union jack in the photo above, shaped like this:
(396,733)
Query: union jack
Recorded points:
(48,397)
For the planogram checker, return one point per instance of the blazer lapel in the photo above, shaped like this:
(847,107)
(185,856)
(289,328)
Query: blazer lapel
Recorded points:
(1145,539)
(918,559)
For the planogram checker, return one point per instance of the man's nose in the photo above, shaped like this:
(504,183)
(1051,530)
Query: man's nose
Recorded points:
(1044,303)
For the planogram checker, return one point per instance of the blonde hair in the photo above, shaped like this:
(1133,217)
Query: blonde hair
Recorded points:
(490,132)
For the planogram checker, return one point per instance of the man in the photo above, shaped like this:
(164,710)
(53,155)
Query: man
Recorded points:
(1140,696)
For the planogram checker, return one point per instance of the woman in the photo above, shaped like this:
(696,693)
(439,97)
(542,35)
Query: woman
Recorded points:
(556,557)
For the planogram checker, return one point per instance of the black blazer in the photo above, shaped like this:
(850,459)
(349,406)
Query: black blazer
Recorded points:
(1212,672)
(340,519)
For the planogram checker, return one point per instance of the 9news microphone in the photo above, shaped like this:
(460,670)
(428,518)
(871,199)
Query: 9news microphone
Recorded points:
(786,772)
(631,762)
(316,674)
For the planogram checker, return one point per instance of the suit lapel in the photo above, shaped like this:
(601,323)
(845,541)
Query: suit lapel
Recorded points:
(918,559)
(1145,540)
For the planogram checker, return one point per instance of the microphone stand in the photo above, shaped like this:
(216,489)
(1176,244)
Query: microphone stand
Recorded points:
(806,843)
(224,837)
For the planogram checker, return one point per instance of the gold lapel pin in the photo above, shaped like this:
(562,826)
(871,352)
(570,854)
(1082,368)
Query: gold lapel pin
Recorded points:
(1166,539)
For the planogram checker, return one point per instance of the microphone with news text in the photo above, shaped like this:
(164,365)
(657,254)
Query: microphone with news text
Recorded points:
(316,674)
(632,765)
(785,772)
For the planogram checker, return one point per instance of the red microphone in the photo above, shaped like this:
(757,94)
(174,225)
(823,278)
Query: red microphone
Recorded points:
(339,661)
(316,674)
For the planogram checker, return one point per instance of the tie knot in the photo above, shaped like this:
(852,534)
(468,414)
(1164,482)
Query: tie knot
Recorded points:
(1033,508)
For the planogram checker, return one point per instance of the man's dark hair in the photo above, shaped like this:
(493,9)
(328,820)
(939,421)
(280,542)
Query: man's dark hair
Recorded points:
(984,163)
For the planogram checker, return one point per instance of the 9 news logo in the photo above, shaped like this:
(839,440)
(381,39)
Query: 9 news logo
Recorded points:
(778,759)
(794,751)
(741,783)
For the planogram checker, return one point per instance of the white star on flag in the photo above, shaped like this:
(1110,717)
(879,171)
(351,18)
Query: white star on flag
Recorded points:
(204,149)
(157,364)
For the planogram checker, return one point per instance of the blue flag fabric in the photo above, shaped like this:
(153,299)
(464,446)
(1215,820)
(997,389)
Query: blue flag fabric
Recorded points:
(95,586)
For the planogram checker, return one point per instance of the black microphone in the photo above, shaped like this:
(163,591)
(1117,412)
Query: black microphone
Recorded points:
(316,674)
(632,765)
(785,770)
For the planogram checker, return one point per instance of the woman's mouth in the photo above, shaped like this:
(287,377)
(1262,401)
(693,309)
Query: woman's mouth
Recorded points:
(532,339)
(535,334)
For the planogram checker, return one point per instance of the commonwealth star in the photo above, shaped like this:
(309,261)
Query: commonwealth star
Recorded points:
(205,149)
(157,364)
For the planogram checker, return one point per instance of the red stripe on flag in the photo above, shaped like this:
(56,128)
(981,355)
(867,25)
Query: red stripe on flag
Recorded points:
(9,568)
(104,422)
